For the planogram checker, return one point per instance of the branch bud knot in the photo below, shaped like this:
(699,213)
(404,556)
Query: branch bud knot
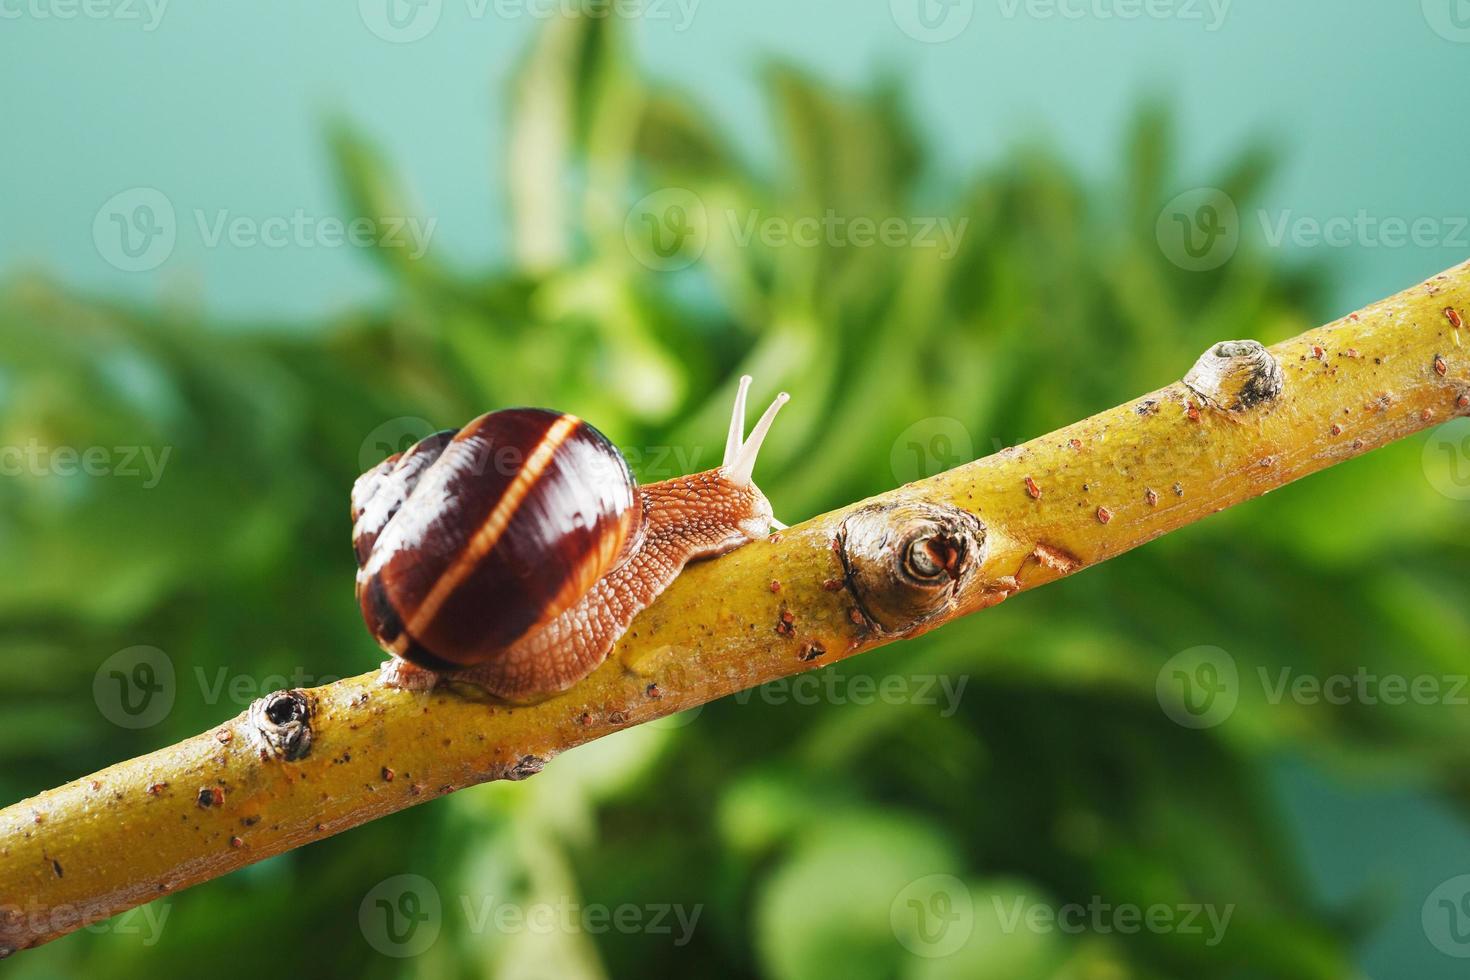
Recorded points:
(908,563)
(279,724)
(1235,375)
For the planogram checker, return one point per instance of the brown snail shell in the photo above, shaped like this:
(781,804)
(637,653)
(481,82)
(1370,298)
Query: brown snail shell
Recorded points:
(470,540)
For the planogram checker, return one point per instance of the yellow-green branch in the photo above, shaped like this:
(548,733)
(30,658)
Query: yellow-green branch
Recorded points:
(302,765)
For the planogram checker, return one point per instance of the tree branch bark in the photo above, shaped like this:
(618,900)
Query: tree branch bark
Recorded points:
(301,765)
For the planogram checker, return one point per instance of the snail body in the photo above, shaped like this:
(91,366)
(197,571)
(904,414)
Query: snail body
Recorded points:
(514,552)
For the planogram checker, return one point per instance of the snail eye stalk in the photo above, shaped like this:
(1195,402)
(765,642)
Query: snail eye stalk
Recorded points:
(737,423)
(740,454)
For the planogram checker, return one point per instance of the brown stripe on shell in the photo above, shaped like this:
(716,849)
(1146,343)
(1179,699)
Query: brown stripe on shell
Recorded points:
(447,504)
(523,512)
(469,559)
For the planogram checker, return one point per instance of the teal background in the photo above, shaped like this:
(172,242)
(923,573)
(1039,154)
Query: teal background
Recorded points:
(224,107)
(221,107)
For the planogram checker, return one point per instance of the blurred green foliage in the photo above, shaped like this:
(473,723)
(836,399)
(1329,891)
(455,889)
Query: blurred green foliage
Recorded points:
(792,827)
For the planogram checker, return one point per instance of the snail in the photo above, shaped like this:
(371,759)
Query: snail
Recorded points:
(513,553)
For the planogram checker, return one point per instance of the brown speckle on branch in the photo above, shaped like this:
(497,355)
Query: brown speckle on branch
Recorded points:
(1440,367)
(1056,559)
(785,624)
(210,796)
(1104,515)
(156,789)
(1033,489)
(1152,496)
(1453,315)
(811,651)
